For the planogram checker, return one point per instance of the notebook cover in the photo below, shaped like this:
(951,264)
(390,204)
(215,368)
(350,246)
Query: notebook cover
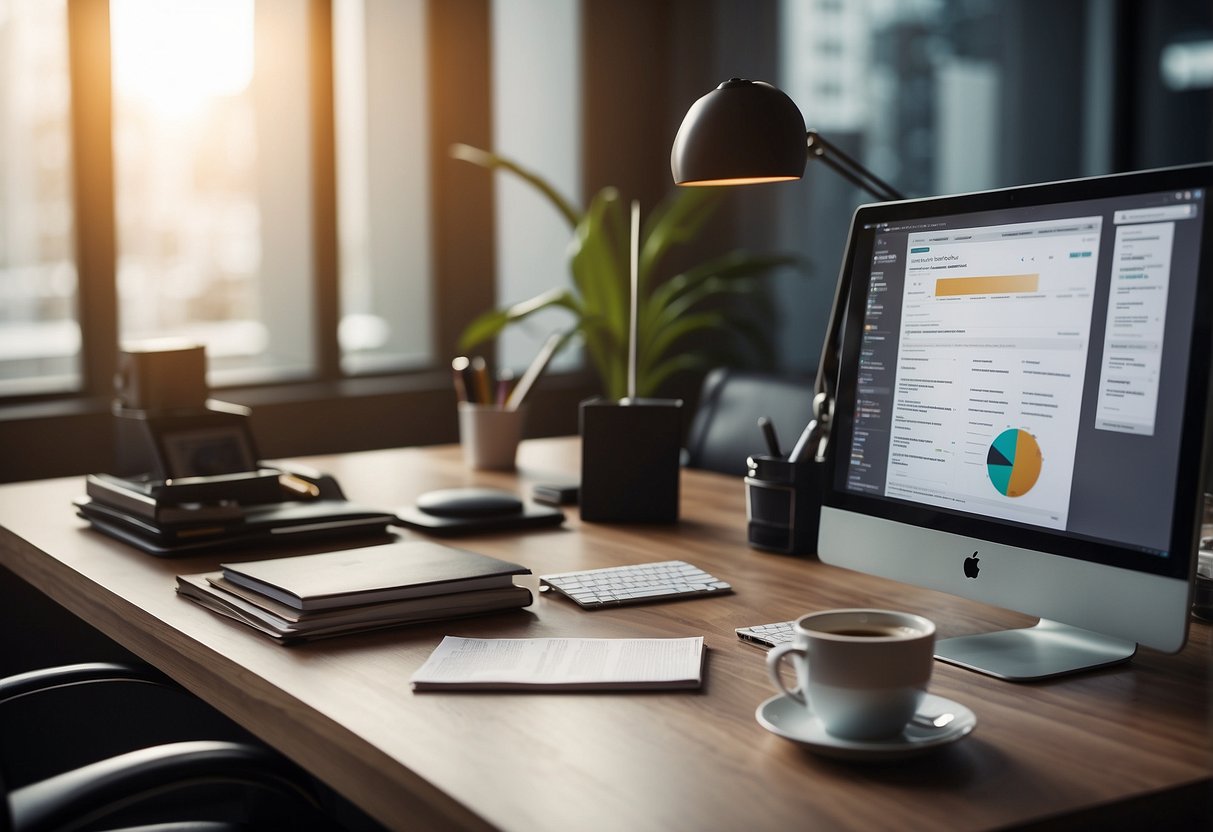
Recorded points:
(287,626)
(372,574)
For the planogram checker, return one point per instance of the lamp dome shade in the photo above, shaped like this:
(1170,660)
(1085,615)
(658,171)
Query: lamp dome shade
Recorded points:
(739,133)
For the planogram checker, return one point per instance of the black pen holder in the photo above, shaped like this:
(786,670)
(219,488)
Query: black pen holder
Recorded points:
(783,504)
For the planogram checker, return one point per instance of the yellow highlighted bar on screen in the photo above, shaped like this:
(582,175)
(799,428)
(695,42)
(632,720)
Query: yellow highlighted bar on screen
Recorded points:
(989,285)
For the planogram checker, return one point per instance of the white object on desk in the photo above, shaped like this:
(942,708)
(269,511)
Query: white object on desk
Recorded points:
(787,718)
(562,664)
(635,583)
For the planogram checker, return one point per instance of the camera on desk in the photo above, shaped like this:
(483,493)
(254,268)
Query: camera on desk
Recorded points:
(166,426)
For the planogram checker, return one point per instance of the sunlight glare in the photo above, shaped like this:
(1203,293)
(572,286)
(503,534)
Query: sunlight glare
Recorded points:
(178,55)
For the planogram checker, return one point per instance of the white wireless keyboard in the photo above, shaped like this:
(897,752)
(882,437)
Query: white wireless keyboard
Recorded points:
(768,635)
(635,584)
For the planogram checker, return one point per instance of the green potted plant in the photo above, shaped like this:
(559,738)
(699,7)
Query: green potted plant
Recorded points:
(720,296)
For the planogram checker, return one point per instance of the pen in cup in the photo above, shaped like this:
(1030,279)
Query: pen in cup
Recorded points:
(461,373)
(768,433)
(480,377)
(505,382)
(536,369)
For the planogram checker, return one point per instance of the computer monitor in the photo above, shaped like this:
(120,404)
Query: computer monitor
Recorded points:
(1021,410)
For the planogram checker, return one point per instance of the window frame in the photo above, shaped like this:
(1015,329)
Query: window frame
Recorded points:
(69,433)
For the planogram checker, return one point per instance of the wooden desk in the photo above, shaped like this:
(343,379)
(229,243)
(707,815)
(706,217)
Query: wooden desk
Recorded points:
(662,761)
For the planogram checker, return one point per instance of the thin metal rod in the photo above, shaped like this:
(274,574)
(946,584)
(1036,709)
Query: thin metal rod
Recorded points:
(634,268)
(850,169)
(816,436)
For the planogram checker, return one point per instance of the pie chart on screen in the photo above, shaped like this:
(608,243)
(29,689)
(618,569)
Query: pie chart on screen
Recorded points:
(1013,462)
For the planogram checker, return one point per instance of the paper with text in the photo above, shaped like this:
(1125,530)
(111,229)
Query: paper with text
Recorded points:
(562,663)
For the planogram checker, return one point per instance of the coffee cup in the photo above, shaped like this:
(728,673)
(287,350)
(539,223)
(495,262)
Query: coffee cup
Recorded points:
(861,672)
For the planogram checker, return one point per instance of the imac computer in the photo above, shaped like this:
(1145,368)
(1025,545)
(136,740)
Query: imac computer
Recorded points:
(1021,410)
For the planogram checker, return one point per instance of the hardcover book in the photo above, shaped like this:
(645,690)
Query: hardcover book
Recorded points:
(287,625)
(373,574)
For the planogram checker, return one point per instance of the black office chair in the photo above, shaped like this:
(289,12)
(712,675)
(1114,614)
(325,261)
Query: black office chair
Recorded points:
(146,783)
(724,430)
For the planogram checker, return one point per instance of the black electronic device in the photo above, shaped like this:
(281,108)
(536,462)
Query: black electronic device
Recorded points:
(258,525)
(166,426)
(470,503)
(556,494)
(1024,386)
(161,376)
(188,476)
(452,512)
(212,440)
(191,514)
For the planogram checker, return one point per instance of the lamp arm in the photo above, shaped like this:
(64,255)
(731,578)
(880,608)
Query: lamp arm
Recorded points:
(825,390)
(816,437)
(849,169)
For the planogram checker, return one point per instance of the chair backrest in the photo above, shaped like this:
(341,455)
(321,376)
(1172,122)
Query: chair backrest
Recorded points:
(724,430)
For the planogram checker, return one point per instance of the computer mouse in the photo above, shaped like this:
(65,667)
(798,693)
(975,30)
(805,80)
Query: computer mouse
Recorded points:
(469,502)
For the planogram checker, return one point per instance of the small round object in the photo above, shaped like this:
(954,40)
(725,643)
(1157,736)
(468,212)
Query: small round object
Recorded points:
(469,502)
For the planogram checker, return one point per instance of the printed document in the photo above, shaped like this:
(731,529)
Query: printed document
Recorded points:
(562,664)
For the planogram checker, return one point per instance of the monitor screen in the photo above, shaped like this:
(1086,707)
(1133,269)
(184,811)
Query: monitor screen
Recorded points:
(1021,399)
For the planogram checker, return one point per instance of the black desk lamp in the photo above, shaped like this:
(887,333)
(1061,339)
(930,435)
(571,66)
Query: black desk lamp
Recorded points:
(748,132)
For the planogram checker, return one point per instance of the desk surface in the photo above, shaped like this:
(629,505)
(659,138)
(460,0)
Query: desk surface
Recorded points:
(344,710)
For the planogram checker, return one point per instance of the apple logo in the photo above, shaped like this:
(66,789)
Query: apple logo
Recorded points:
(971,567)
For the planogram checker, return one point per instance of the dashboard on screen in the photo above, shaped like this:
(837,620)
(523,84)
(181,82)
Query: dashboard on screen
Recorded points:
(1021,411)
(1030,367)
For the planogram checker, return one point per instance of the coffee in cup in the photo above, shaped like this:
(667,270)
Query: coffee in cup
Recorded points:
(862,672)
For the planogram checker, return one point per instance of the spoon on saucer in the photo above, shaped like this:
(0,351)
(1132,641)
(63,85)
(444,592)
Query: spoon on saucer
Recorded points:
(933,721)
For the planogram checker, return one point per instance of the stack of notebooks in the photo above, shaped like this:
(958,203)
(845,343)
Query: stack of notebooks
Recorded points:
(193,514)
(313,596)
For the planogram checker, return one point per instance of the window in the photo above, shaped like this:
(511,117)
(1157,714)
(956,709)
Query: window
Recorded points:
(947,96)
(214,177)
(39,332)
(212,188)
(268,177)
(536,97)
(383,190)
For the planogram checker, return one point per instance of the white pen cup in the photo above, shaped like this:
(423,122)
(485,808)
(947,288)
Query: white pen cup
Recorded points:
(861,672)
(490,435)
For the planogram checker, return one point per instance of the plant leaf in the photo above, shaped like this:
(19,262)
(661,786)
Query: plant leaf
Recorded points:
(604,350)
(598,271)
(492,161)
(677,219)
(735,266)
(710,289)
(657,346)
(687,361)
(490,323)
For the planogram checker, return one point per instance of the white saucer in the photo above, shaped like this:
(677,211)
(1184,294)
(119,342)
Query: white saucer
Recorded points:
(787,718)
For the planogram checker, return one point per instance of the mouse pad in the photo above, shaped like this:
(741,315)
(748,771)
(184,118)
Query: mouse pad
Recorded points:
(532,516)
